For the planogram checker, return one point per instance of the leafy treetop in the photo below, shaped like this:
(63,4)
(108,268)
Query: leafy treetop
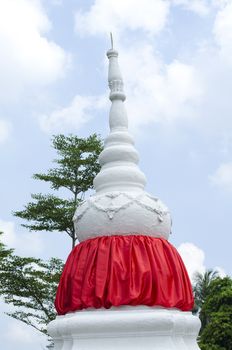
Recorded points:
(77,165)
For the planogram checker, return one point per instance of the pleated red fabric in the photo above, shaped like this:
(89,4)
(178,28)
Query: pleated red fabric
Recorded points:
(124,270)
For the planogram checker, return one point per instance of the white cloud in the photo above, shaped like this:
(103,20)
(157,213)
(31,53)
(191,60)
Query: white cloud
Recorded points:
(119,15)
(221,271)
(194,87)
(201,7)
(157,91)
(223,30)
(21,336)
(193,258)
(18,333)
(28,58)
(223,176)
(24,243)
(5,128)
(79,112)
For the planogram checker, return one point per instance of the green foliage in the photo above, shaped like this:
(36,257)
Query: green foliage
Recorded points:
(201,286)
(201,289)
(217,310)
(77,165)
(29,285)
(211,347)
(49,213)
(4,252)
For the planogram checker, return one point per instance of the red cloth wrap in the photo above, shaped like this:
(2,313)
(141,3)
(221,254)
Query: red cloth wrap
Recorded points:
(123,270)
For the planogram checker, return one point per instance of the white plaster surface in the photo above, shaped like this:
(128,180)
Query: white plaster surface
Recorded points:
(126,328)
(120,204)
(123,213)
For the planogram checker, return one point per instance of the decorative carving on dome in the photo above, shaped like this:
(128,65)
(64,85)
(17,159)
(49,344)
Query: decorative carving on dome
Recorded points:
(113,202)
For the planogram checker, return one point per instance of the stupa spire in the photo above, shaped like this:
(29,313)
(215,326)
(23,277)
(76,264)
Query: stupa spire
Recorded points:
(120,202)
(119,158)
(123,259)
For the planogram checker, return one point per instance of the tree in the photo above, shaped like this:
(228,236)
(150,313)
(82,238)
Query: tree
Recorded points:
(201,289)
(217,333)
(77,165)
(29,285)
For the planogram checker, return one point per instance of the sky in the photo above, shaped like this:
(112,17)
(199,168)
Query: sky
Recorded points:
(176,60)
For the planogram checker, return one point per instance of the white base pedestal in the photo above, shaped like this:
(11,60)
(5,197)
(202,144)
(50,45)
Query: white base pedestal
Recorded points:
(126,328)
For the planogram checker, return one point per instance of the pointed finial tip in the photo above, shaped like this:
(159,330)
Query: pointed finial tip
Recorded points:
(112,52)
(111,40)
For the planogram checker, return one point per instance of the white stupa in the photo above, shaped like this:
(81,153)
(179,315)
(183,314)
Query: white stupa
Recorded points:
(121,210)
